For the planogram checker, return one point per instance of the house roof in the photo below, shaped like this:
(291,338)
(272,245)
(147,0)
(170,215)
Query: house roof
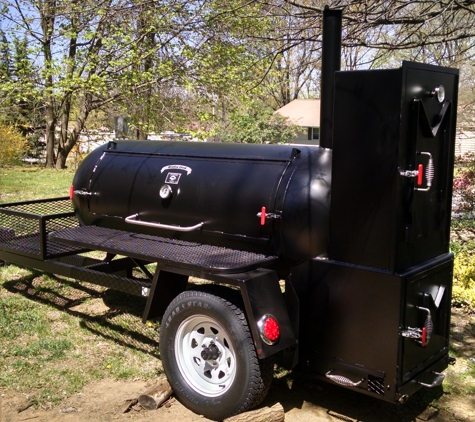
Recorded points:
(305,113)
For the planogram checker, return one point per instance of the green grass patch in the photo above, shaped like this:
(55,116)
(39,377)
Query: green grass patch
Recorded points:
(461,378)
(19,318)
(44,350)
(58,335)
(20,183)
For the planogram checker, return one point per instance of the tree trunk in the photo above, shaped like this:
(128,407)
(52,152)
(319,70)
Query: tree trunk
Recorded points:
(63,138)
(155,396)
(47,12)
(64,145)
(49,137)
(266,414)
(73,137)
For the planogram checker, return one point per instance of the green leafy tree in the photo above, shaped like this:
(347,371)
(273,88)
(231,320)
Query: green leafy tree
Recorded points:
(5,58)
(464,186)
(259,125)
(87,54)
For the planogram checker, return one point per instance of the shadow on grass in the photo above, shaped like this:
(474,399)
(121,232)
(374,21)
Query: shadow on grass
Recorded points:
(119,317)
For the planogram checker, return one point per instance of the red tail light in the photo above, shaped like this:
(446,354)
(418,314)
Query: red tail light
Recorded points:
(269,329)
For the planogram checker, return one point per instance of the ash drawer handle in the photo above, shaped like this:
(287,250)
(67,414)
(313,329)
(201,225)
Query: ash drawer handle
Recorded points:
(132,219)
(342,380)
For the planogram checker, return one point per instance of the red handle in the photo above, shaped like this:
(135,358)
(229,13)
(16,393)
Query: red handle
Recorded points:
(420,174)
(263,216)
(424,337)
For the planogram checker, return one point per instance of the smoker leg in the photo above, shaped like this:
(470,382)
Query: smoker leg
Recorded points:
(165,287)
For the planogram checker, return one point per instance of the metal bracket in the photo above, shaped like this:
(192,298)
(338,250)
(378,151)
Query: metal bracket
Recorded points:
(409,173)
(82,193)
(269,215)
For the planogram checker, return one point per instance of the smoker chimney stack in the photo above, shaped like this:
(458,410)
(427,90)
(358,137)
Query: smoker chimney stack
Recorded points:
(331,60)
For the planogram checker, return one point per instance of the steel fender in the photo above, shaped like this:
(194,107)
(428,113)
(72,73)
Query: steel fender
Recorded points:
(262,295)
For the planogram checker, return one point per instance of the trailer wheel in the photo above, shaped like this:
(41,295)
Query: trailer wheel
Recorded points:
(209,356)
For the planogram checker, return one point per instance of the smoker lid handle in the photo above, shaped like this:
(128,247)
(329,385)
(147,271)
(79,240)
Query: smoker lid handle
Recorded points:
(132,219)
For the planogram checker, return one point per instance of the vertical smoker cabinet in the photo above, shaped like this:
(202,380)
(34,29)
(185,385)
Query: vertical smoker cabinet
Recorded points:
(389,124)
(375,313)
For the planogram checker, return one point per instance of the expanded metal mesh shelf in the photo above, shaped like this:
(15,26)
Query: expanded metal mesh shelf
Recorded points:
(24,227)
(159,249)
(41,207)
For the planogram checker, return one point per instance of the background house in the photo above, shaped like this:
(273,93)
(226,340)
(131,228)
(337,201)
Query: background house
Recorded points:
(306,114)
(464,142)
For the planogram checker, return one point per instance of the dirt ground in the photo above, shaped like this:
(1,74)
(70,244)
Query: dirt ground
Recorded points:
(303,399)
(308,401)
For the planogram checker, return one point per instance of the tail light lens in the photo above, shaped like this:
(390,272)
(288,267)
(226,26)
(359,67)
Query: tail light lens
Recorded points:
(269,329)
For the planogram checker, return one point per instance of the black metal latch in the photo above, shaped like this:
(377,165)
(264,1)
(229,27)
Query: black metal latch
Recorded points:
(82,193)
(419,173)
(421,335)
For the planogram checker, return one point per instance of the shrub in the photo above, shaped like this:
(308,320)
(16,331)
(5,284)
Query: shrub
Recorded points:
(13,145)
(259,125)
(463,293)
(464,185)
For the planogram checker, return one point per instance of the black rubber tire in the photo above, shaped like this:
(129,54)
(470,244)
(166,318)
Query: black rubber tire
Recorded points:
(252,376)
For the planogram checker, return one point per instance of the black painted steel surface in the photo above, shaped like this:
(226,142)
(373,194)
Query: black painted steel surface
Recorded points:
(389,124)
(331,62)
(217,188)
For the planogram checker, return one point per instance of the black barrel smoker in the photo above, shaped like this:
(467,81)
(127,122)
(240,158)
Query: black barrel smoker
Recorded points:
(367,271)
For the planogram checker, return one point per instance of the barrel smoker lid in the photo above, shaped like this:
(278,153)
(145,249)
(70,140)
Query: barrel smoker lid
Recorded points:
(223,150)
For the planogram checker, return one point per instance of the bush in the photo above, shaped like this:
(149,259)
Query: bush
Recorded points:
(463,293)
(464,186)
(13,145)
(259,125)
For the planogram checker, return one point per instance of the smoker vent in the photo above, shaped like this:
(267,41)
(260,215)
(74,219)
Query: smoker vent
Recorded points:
(376,385)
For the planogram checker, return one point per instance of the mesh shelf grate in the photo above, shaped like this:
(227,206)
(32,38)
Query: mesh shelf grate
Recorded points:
(159,249)
(24,227)
(41,208)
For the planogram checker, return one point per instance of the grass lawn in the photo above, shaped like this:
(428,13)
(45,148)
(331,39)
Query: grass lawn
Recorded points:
(58,334)
(20,183)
